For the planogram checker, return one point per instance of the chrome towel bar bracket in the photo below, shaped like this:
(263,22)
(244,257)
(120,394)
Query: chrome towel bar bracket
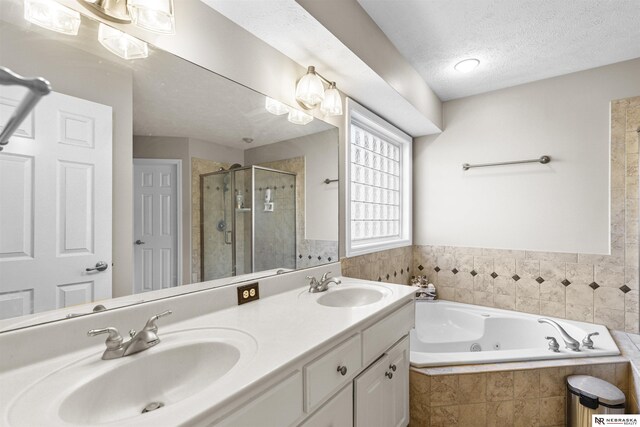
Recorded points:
(542,159)
(38,87)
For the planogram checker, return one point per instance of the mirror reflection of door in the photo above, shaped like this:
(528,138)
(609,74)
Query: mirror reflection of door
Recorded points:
(156,195)
(55,215)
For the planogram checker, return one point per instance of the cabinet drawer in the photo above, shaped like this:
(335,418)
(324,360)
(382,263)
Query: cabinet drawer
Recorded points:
(279,406)
(322,376)
(379,337)
(338,412)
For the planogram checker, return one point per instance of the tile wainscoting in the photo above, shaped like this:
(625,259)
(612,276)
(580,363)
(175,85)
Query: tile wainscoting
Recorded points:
(390,266)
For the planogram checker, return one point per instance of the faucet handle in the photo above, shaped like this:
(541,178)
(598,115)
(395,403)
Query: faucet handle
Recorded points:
(324,276)
(553,344)
(587,342)
(113,341)
(151,323)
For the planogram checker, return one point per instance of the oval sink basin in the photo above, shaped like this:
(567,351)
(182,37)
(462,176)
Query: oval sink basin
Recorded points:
(96,391)
(350,297)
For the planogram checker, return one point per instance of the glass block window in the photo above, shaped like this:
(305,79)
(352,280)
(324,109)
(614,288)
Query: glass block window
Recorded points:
(379,188)
(375,186)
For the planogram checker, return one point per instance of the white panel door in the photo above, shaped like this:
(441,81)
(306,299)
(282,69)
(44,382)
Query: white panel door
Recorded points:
(371,396)
(55,205)
(155,196)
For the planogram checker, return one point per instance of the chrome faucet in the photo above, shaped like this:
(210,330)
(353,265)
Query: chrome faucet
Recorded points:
(143,340)
(569,342)
(321,285)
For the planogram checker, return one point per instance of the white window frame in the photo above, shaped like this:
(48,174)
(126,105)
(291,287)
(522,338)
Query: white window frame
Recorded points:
(363,117)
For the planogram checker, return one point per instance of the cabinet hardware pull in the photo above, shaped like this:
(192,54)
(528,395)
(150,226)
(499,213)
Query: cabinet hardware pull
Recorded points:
(388,374)
(342,370)
(392,367)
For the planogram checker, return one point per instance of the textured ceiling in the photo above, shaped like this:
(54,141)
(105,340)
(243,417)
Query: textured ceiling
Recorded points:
(289,28)
(517,41)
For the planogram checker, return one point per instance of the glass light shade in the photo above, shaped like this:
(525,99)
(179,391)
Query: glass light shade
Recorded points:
(153,15)
(332,103)
(310,90)
(275,107)
(297,117)
(52,16)
(122,44)
(467,65)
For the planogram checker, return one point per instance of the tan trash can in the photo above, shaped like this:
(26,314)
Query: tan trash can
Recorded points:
(588,395)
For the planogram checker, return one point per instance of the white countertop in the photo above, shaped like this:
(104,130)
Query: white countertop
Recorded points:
(286,328)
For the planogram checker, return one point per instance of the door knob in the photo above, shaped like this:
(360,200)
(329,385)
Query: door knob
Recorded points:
(100,266)
(139,242)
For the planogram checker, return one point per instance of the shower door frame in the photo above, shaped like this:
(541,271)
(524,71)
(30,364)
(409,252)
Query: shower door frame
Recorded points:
(233,213)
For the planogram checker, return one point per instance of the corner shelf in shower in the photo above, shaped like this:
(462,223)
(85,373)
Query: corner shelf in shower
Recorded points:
(243,209)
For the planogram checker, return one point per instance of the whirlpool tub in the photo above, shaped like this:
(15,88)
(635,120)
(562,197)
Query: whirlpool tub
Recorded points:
(450,333)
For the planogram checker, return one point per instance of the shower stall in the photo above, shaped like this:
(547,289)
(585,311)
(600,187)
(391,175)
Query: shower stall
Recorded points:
(247,221)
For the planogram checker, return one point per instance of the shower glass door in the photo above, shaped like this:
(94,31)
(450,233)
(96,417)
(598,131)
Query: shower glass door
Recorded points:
(216,225)
(274,219)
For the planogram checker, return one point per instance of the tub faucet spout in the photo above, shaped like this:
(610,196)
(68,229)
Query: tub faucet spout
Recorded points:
(569,342)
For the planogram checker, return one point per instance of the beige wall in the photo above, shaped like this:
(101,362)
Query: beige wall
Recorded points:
(320,152)
(57,61)
(562,206)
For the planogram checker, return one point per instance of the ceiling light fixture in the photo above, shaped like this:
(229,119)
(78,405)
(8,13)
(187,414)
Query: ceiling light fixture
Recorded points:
(467,65)
(310,93)
(275,107)
(52,16)
(297,117)
(122,44)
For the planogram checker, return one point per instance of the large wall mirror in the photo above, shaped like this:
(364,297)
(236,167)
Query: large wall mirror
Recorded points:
(228,185)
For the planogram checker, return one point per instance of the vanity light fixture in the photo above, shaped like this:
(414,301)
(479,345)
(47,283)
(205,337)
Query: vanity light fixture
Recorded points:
(53,16)
(122,44)
(310,93)
(467,65)
(275,107)
(153,15)
(297,117)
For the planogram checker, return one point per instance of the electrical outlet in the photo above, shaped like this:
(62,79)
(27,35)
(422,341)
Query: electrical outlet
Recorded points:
(248,293)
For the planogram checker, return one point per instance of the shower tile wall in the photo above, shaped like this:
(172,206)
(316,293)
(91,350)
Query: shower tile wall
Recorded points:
(592,288)
(200,167)
(309,253)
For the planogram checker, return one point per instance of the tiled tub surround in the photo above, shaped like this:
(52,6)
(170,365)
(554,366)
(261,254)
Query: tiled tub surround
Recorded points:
(515,395)
(591,288)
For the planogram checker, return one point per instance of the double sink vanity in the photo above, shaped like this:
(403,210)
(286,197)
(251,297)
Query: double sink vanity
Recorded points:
(293,357)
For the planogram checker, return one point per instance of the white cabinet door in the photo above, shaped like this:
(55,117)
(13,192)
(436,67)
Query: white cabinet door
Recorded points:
(372,403)
(338,412)
(399,384)
(55,205)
